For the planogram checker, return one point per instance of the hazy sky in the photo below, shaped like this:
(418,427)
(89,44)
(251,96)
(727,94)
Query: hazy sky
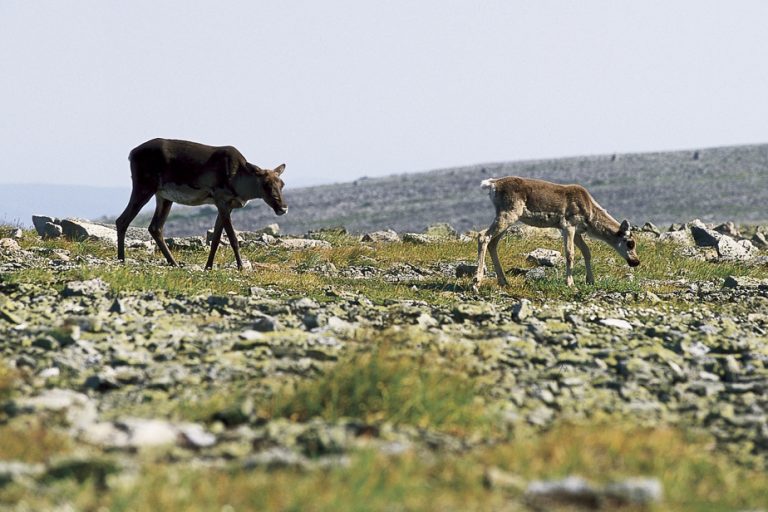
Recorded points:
(343,89)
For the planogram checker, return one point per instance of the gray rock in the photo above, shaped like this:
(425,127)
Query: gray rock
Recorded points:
(130,433)
(744,282)
(545,257)
(522,310)
(418,238)
(118,306)
(302,243)
(497,478)
(9,245)
(87,288)
(730,249)
(270,229)
(705,237)
(634,491)
(536,274)
(441,230)
(265,323)
(616,322)
(76,229)
(39,221)
(51,230)
(650,227)
(728,228)
(465,270)
(9,316)
(387,235)
(276,458)
(679,237)
(760,241)
(195,436)
(77,408)
(572,491)
(188,243)
(12,471)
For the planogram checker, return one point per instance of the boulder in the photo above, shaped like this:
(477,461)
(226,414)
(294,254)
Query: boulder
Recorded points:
(9,245)
(76,229)
(302,243)
(270,229)
(418,238)
(12,471)
(465,270)
(87,288)
(744,282)
(136,433)
(522,310)
(574,491)
(728,228)
(679,237)
(705,237)
(616,322)
(441,230)
(39,221)
(760,241)
(188,243)
(730,249)
(51,230)
(545,257)
(387,235)
(77,408)
(650,227)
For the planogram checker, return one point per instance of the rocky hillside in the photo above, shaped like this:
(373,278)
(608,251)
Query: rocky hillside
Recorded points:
(716,185)
(346,374)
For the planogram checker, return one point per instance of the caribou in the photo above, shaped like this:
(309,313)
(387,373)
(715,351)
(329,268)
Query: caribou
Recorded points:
(179,171)
(543,204)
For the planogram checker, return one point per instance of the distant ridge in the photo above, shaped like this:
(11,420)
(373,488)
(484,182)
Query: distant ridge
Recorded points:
(713,184)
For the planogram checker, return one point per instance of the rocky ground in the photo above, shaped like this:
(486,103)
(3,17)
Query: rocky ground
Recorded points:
(118,367)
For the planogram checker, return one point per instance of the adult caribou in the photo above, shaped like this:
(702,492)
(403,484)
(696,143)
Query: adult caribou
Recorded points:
(193,174)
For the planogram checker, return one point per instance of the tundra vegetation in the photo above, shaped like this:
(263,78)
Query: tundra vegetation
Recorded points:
(342,374)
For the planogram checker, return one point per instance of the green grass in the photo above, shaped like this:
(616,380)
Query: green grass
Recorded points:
(693,477)
(388,385)
(291,270)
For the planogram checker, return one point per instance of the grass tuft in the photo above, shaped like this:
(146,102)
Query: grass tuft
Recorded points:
(382,385)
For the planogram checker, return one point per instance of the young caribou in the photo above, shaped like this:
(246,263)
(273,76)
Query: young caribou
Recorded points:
(549,205)
(194,174)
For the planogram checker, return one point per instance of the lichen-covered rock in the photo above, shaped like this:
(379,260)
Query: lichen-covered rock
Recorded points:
(441,231)
(730,249)
(680,237)
(188,243)
(76,229)
(302,243)
(387,235)
(87,288)
(545,257)
(418,238)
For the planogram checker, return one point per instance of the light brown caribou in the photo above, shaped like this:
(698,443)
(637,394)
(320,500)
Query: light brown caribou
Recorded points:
(193,174)
(540,203)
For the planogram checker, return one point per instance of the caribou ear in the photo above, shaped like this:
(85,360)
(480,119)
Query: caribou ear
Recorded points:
(624,229)
(279,169)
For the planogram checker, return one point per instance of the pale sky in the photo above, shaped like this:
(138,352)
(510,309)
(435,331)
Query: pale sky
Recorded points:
(344,89)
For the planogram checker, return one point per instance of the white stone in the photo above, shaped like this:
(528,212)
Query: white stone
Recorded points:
(616,322)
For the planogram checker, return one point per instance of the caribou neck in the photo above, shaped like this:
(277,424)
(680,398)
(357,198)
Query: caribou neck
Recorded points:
(603,227)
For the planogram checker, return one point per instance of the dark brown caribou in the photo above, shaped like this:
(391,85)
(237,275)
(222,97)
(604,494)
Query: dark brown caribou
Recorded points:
(193,174)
